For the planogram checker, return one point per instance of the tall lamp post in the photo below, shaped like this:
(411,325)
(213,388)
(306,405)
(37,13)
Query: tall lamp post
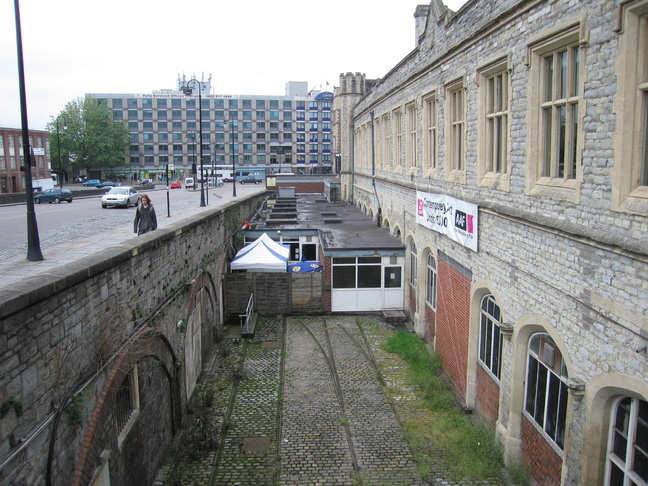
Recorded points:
(187,90)
(58,144)
(34,253)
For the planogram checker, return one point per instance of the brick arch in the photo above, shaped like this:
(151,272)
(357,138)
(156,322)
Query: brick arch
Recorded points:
(149,341)
(200,313)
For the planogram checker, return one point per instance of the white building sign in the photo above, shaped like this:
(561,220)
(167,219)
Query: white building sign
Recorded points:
(454,218)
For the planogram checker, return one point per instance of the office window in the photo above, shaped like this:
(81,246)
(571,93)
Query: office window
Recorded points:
(219,103)
(132,103)
(627,456)
(431,282)
(312,126)
(274,114)
(261,147)
(456,146)
(117,103)
(176,103)
(132,114)
(163,137)
(287,115)
(260,104)
(232,104)
(398,137)
(287,105)
(555,130)
(630,168)
(118,115)
(176,114)
(412,127)
(190,103)
(260,125)
(160,103)
(162,114)
(260,115)
(490,338)
(191,125)
(546,388)
(430,123)
(132,126)
(147,114)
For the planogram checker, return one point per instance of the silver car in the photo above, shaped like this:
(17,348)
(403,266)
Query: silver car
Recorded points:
(120,196)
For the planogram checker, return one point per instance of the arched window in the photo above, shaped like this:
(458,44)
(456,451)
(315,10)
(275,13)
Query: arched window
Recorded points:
(546,388)
(413,264)
(627,456)
(490,338)
(431,284)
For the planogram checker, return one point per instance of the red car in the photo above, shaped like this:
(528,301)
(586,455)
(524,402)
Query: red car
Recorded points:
(175,185)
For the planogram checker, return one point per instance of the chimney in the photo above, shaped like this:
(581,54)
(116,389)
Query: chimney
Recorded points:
(420,17)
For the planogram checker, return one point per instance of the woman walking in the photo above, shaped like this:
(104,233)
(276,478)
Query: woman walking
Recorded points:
(145,219)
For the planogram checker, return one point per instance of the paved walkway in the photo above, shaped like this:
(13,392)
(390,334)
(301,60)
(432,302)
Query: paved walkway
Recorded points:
(67,245)
(302,403)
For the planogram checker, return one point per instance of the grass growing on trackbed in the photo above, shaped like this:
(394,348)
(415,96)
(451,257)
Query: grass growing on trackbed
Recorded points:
(466,442)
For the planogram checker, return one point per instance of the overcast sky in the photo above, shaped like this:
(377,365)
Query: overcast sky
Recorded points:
(74,47)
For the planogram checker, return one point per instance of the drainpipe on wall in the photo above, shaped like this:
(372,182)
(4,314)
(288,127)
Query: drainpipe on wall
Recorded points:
(373,171)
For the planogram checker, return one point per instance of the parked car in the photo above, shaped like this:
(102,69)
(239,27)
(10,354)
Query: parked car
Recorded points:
(55,194)
(92,182)
(190,182)
(120,196)
(77,180)
(175,185)
(146,182)
(250,179)
(106,184)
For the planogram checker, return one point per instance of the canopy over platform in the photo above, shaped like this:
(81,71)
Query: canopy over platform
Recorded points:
(262,255)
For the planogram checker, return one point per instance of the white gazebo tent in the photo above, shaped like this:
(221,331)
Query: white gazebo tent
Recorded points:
(262,255)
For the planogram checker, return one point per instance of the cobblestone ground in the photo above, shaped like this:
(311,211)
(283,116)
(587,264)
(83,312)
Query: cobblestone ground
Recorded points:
(307,408)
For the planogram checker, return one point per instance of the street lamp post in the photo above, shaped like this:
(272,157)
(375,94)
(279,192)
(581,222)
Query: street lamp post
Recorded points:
(187,91)
(34,253)
(58,144)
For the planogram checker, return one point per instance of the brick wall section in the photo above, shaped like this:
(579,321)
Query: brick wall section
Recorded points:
(488,393)
(545,463)
(67,329)
(453,314)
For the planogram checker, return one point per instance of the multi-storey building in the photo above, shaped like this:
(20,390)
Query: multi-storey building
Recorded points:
(508,151)
(12,178)
(290,133)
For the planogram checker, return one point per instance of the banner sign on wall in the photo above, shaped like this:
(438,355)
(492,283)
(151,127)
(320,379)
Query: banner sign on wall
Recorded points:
(452,217)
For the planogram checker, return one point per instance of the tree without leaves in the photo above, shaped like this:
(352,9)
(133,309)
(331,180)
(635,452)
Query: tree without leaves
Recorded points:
(91,138)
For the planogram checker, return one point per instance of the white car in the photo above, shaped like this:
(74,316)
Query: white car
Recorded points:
(120,196)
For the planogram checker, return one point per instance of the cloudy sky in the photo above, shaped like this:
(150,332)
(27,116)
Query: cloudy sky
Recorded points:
(74,47)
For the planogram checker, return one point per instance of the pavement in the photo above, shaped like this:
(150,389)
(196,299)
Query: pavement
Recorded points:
(79,239)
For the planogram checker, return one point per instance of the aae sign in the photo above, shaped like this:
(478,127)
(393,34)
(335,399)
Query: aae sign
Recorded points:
(454,218)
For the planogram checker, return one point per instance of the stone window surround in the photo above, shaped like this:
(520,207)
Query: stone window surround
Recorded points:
(455,162)
(411,128)
(397,127)
(570,33)
(485,176)
(431,134)
(627,195)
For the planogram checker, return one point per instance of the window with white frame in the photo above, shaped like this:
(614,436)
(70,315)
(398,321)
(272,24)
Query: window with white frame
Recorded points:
(413,264)
(546,387)
(430,121)
(431,282)
(630,169)
(555,99)
(411,127)
(456,140)
(627,451)
(490,338)
(493,156)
